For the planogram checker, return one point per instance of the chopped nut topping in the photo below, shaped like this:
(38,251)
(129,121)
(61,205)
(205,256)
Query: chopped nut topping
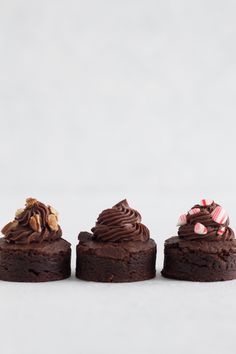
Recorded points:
(52,222)
(53,211)
(31,201)
(19,212)
(35,223)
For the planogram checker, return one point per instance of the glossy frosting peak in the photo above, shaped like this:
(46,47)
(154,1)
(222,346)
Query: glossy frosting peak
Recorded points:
(35,223)
(205,221)
(120,223)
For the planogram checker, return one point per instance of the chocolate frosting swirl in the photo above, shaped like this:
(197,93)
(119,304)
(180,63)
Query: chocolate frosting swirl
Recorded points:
(36,223)
(120,223)
(214,231)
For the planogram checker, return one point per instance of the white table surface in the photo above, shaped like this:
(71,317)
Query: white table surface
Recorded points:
(147,317)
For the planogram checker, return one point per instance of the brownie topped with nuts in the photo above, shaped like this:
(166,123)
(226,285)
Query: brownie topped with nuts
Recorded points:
(32,248)
(36,223)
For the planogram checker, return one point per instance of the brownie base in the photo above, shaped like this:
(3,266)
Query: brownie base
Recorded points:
(115,262)
(200,261)
(35,262)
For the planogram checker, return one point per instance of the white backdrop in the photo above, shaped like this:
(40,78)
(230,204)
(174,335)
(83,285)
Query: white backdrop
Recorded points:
(102,100)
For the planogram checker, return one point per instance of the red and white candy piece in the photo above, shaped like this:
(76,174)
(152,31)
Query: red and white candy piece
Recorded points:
(219,215)
(221,230)
(194,211)
(182,220)
(206,202)
(200,229)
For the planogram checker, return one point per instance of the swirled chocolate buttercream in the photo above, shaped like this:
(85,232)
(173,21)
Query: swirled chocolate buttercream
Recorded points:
(120,223)
(205,221)
(35,223)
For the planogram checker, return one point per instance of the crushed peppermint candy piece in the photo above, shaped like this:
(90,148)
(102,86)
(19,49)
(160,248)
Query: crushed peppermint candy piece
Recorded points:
(221,230)
(206,202)
(219,215)
(194,211)
(200,229)
(182,220)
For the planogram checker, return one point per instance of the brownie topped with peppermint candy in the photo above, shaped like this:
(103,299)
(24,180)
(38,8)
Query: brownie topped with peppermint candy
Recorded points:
(206,220)
(205,248)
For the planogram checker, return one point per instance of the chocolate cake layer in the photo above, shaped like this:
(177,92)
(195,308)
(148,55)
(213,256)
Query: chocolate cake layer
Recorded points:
(35,262)
(115,262)
(199,260)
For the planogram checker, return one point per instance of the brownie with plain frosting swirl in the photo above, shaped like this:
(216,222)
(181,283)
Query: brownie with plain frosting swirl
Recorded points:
(119,249)
(120,223)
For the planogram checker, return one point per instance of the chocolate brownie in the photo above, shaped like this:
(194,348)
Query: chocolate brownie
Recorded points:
(32,249)
(205,248)
(34,262)
(119,249)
